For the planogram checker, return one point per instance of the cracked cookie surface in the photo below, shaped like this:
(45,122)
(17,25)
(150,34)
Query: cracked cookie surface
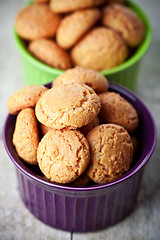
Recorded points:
(63,155)
(91,52)
(111,152)
(116,109)
(71,105)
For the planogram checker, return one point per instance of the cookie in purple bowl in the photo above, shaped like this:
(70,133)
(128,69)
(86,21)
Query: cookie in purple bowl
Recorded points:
(92,207)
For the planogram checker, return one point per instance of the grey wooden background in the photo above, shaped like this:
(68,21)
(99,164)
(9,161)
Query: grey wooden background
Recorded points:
(15,221)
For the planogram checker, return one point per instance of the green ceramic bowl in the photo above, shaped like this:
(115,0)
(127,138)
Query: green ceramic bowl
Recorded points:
(36,72)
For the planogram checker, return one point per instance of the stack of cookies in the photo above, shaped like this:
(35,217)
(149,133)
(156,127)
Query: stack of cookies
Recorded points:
(77,130)
(95,34)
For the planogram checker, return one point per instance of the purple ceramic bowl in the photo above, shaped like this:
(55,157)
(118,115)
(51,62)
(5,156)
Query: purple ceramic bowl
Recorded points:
(88,208)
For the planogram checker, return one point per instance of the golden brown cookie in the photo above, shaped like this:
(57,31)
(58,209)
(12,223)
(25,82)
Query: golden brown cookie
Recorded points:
(75,25)
(63,6)
(123,20)
(100,49)
(36,21)
(115,109)
(83,75)
(71,105)
(50,53)
(111,152)
(25,97)
(25,137)
(63,155)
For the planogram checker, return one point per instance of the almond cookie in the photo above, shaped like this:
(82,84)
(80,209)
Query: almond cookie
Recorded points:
(83,75)
(36,21)
(115,109)
(100,49)
(71,105)
(123,20)
(67,34)
(64,6)
(25,136)
(50,53)
(25,97)
(111,152)
(63,155)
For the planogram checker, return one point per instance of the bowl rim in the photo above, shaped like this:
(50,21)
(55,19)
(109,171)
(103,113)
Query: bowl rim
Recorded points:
(140,51)
(127,175)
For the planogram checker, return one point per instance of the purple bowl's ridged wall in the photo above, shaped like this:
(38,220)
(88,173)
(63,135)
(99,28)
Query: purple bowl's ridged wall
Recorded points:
(82,213)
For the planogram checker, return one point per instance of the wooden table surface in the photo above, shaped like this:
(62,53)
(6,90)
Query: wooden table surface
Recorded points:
(15,220)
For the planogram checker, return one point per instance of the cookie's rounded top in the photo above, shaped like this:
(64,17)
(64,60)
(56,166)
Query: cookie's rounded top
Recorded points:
(67,34)
(100,49)
(36,21)
(50,53)
(63,155)
(63,6)
(71,105)
(123,20)
(25,136)
(116,109)
(83,75)
(25,97)
(111,152)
